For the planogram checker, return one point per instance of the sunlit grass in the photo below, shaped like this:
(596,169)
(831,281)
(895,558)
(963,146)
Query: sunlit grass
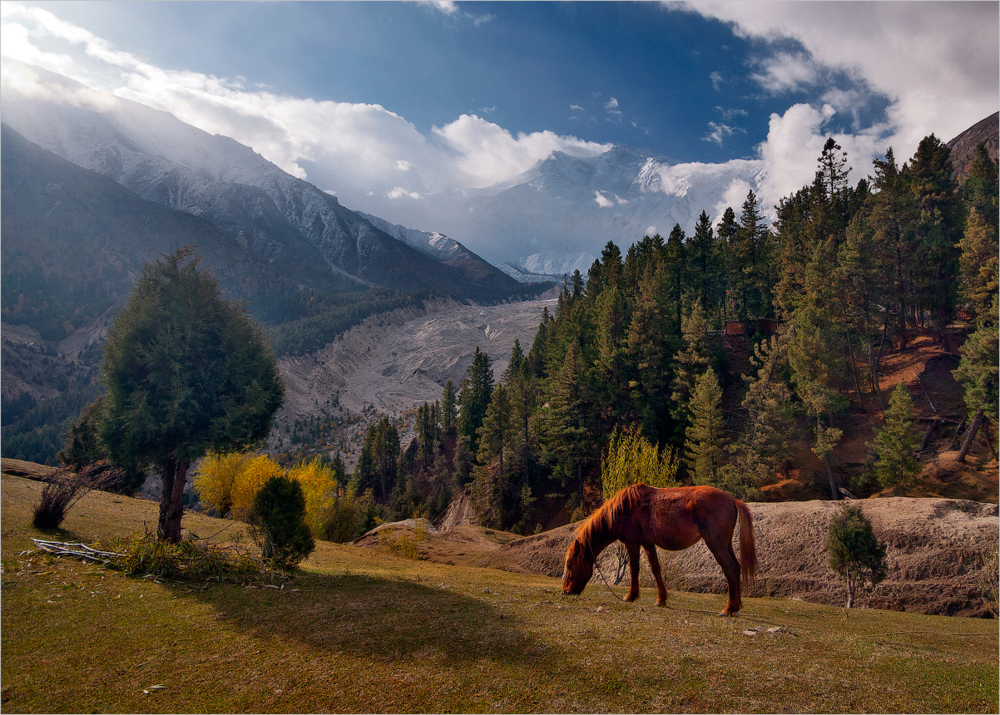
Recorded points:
(365,630)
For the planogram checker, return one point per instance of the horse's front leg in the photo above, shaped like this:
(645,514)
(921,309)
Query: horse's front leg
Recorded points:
(654,565)
(633,565)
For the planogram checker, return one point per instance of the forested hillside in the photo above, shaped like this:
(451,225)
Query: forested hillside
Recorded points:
(849,273)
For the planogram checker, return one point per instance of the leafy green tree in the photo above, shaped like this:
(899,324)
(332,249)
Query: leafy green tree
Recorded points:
(896,443)
(631,459)
(855,552)
(706,440)
(278,522)
(187,371)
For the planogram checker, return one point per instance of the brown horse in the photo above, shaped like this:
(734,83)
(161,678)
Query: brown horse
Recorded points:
(672,519)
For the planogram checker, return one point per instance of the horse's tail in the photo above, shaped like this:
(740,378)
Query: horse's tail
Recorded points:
(748,549)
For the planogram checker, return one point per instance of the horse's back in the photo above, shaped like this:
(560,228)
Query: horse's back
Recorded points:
(682,516)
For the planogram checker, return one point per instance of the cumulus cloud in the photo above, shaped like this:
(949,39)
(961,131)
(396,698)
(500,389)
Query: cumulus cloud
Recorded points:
(935,61)
(355,149)
(612,104)
(716,78)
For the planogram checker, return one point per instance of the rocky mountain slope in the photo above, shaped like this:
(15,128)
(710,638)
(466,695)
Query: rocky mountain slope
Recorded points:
(963,147)
(282,219)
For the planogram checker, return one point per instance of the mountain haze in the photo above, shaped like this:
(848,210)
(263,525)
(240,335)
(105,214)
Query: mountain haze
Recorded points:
(283,220)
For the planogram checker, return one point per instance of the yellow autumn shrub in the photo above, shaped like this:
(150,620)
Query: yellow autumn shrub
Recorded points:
(215,478)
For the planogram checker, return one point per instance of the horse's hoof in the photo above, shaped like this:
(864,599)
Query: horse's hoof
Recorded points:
(725,613)
(630,598)
(661,604)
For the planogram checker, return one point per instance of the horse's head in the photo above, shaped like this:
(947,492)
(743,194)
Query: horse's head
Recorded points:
(578,571)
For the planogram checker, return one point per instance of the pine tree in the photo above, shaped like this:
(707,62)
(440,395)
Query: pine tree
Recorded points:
(645,345)
(896,442)
(726,233)
(448,412)
(494,441)
(474,397)
(706,444)
(764,445)
(978,261)
(566,436)
(704,269)
(978,374)
(690,363)
(674,264)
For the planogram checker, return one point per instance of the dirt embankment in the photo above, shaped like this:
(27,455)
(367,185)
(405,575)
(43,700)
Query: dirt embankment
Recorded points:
(934,551)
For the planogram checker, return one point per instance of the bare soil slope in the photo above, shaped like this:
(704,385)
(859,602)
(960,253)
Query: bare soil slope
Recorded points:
(934,549)
(398,360)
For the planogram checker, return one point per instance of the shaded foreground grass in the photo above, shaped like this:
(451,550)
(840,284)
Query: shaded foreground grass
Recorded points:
(361,630)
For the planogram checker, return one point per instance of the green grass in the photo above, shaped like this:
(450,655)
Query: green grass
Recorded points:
(364,630)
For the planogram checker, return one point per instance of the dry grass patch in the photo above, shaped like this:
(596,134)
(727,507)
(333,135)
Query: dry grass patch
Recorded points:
(364,630)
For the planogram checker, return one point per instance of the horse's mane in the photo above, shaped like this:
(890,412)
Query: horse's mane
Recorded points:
(609,514)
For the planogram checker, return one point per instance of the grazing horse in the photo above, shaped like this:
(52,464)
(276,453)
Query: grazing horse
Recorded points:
(672,519)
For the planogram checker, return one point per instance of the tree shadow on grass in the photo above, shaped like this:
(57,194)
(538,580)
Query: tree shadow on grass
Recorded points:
(376,617)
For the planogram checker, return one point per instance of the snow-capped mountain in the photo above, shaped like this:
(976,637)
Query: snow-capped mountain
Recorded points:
(567,204)
(547,266)
(283,220)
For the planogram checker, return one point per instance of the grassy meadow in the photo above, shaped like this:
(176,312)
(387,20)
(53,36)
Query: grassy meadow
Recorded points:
(362,630)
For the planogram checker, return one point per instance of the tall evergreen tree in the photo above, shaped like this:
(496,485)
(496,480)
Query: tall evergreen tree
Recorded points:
(705,447)
(474,397)
(896,443)
(567,438)
(448,411)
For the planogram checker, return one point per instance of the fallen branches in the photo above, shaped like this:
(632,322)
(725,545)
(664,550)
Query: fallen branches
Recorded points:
(77,549)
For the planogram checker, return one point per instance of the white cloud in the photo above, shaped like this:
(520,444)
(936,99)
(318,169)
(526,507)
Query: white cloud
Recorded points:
(448,7)
(785,72)
(355,149)
(936,61)
(716,78)
(612,104)
(718,132)
(601,201)
(576,107)
(399,192)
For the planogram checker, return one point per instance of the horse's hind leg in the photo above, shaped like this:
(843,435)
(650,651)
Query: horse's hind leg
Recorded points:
(633,566)
(654,565)
(723,552)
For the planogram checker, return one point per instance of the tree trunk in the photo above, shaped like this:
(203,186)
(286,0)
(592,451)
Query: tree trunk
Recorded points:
(850,589)
(854,370)
(970,435)
(987,437)
(833,483)
(166,494)
(175,510)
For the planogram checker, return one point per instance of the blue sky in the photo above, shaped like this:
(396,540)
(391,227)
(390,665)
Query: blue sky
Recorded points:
(404,99)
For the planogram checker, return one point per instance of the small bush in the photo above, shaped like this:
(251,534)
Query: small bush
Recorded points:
(189,558)
(856,554)
(64,489)
(278,523)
